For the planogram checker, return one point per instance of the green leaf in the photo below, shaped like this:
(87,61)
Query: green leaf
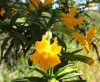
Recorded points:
(8,13)
(14,18)
(20,36)
(88,16)
(20,80)
(35,79)
(77,81)
(42,72)
(35,38)
(67,76)
(51,20)
(65,30)
(74,57)
(76,51)
(47,7)
(66,70)
(4,44)
(16,42)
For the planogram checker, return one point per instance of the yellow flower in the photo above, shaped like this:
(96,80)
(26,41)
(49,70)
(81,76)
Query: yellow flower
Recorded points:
(13,12)
(46,53)
(69,20)
(90,5)
(2,12)
(37,2)
(84,40)
(33,4)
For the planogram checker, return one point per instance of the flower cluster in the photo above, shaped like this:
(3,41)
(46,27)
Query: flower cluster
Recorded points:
(70,21)
(46,53)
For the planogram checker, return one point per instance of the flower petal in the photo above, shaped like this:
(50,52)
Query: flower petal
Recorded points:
(91,32)
(40,46)
(2,12)
(35,2)
(46,2)
(73,11)
(54,60)
(44,62)
(78,37)
(90,61)
(86,45)
(78,21)
(55,49)
(69,25)
(35,57)
(82,39)
(66,15)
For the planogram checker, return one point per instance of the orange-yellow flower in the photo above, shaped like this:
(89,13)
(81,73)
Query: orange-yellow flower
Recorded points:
(2,12)
(90,5)
(69,20)
(46,53)
(84,40)
(13,12)
(34,3)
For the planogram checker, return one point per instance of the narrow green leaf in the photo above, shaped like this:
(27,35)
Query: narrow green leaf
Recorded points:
(35,79)
(76,51)
(66,70)
(4,44)
(87,15)
(51,20)
(77,81)
(20,80)
(21,37)
(65,30)
(16,42)
(81,58)
(42,72)
(67,76)
(14,18)
(8,13)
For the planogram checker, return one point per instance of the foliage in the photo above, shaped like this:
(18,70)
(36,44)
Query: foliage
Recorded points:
(26,25)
